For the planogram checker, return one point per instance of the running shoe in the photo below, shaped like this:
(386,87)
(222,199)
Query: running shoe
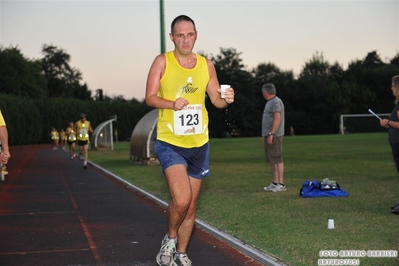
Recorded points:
(279,188)
(270,187)
(182,260)
(165,254)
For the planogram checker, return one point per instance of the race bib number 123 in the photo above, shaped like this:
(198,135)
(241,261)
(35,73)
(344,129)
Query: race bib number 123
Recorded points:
(188,121)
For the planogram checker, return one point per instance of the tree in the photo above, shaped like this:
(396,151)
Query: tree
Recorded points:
(240,115)
(370,79)
(395,61)
(82,92)
(20,76)
(99,95)
(270,73)
(315,88)
(372,60)
(316,66)
(62,79)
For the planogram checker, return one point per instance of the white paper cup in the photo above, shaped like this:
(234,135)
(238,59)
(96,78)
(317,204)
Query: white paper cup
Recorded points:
(223,88)
(330,224)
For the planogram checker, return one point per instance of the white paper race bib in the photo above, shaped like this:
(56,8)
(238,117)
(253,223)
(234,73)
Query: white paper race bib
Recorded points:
(188,121)
(83,131)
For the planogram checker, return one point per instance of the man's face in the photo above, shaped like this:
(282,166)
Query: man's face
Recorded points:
(265,95)
(184,37)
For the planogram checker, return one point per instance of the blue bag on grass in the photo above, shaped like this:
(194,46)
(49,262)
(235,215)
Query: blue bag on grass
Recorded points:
(313,189)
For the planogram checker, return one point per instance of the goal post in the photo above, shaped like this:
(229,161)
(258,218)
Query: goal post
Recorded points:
(371,123)
(103,135)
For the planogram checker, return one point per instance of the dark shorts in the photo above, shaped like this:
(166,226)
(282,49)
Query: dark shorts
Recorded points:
(70,142)
(274,152)
(195,159)
(83,142)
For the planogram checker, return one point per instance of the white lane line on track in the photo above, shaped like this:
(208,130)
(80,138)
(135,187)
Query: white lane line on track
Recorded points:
(237,244)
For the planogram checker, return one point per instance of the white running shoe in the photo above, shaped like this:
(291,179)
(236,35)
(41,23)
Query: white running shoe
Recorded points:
(279,188)
(182,260)
(270,187)
(167,251)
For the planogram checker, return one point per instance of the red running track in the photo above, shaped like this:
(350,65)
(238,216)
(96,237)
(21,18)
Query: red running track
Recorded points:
(55,213)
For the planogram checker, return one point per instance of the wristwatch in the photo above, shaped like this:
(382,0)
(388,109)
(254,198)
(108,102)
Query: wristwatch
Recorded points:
(270,133)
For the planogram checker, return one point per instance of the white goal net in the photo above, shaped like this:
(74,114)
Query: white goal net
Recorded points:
(361,123)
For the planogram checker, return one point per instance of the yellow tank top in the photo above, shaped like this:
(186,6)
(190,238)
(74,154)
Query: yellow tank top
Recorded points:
(55,135)
(71,134)
(186,128)
(2,122)
(82,130)
(63,135)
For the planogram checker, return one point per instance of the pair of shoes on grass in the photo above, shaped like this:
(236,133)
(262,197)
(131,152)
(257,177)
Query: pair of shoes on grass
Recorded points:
(275,187)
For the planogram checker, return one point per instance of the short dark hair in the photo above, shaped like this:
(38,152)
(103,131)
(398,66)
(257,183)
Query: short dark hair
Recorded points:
(181,18)
(269,87)
(395,80)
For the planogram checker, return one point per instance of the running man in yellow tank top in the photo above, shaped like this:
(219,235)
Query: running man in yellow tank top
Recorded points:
(177,85)
(71,139)
(55,137)
(63,138)
(83,128)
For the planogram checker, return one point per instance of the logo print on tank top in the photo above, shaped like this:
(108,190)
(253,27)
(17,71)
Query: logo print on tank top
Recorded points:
(189,87)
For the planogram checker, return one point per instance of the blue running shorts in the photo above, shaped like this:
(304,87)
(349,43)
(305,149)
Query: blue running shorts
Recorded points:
(195,159)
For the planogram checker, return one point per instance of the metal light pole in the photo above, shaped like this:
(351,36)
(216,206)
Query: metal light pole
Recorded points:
(162,27)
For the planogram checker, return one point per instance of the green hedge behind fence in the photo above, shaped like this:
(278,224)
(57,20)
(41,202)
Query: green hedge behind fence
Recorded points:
(29,121)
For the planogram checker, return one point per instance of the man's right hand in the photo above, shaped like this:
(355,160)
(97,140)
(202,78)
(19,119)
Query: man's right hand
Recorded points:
(4,156)
(179,104)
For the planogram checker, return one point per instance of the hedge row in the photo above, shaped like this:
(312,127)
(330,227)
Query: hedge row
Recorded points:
(29,121)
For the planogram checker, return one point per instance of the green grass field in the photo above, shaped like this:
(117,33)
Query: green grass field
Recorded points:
(283,224)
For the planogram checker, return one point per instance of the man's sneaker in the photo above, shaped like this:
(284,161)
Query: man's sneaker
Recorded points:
(165,254)
(182,260)
(395,209)
(279,188)
(270,187)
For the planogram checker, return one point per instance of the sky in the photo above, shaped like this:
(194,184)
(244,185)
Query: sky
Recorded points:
(113,43)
